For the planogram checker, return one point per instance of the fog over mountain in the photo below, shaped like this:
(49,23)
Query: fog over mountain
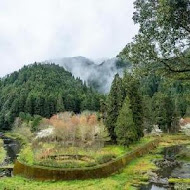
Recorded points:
(98,74)
(40,30)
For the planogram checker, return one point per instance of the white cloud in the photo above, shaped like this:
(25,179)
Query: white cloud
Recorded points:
(35,30)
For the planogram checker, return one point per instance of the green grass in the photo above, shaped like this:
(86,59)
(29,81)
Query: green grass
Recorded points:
(92,157)
(22,140)
(184,154)
(121,150)
(2,152)
(176,180)
(134,173)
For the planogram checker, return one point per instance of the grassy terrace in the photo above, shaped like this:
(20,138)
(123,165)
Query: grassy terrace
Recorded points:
(90,157)
(133,174)
(2,152)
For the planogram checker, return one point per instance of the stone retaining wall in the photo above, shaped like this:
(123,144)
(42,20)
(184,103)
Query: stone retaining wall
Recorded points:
(104,170)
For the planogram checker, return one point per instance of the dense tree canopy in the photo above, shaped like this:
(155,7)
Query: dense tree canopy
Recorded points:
(160,54)
(43,89)
(164,101)
(163,41)
(124,119)
(149,100)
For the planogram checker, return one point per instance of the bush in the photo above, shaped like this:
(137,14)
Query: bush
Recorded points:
(26,155)
(105,158)
(82,130)
(2,152)
(23,131)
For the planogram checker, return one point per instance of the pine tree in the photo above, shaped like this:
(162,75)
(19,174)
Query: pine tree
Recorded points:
(22,100)
(29,105)
(160,116)
(148,113)
(39,105)
(164,111)
(52,108)
(114,104)
(60,105)
(132,87)
(181,105)
(125,129)
(47,113)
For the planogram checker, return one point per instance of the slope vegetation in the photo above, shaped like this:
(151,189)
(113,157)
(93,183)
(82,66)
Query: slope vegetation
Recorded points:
(43,89)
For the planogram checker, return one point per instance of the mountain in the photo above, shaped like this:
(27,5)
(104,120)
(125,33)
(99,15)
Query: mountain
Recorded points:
(43,89)
(98,75)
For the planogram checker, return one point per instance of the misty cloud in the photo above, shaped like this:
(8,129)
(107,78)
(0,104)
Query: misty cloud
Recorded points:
(96,74)
(47,29)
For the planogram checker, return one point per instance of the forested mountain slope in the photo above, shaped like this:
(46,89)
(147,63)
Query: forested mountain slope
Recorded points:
(43,89)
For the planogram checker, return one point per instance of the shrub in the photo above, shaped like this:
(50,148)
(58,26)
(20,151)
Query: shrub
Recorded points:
(26,155)
(23,130)
(105,158)
(2,151)
(78,130)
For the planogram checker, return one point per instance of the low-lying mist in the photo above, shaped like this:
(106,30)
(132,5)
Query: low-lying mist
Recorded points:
(95,74)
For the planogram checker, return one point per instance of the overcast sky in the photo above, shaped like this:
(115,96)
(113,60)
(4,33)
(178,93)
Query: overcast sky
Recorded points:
(36,30)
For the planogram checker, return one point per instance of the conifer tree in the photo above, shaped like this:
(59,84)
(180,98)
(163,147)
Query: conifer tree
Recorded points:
(29,105)
(147,113)
(114,104)
(60,105)
(164,111)
(39,105)
(125,129)
(132,87)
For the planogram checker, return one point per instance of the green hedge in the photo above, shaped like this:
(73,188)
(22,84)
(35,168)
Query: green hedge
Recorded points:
(103,170)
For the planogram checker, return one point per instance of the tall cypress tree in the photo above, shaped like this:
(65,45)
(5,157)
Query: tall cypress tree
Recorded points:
(132,87)
(125,129)
(114,104)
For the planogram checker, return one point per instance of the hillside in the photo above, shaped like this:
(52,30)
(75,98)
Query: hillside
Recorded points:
(98,75)
(43,89)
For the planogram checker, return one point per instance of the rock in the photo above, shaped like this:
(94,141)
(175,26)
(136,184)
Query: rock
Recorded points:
(152,174)
(163,181)
(182,172)
(154,178)
(156,131)
(166,163)
(158,180)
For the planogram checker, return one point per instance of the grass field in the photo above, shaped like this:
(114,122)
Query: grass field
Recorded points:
(2,152)
(132,175)
(90,157)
